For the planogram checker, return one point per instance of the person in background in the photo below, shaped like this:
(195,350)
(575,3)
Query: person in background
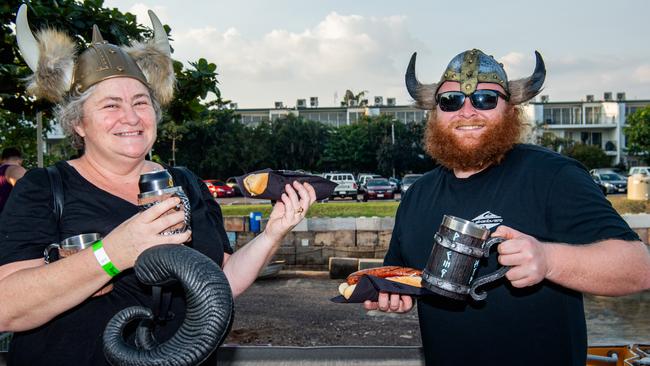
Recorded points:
(11,169)
(563,236)
(111,112)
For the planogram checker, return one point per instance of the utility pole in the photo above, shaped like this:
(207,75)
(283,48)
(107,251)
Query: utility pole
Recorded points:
(392,134)
(39,139)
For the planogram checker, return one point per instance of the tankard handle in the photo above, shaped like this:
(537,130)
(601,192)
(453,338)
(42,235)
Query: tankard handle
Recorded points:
(46,252)
(490,277)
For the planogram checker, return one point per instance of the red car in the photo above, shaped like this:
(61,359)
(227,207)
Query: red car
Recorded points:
(378,188)
(218,188)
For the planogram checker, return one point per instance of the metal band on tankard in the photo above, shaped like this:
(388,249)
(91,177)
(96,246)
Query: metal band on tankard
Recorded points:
(458,248)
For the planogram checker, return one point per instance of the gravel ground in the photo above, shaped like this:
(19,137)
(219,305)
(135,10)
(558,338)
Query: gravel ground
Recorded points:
(293,309)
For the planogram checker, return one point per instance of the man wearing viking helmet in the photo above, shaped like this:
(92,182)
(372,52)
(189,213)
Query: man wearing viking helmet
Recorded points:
(109,101)
(563,237)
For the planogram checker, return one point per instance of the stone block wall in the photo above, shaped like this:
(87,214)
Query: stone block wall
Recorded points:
(314,240)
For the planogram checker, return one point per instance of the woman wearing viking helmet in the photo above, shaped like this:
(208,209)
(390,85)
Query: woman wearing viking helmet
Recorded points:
(109,101)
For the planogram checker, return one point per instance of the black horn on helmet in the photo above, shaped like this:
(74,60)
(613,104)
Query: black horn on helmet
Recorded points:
(208,316)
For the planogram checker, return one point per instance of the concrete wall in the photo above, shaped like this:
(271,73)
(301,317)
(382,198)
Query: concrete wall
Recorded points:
(314,240)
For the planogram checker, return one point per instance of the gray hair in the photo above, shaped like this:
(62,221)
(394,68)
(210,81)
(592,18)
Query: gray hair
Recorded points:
(69,114)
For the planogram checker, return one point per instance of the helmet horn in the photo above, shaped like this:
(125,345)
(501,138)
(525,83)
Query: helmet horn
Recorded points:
(525,89)
(25,38)
(160,36)
(423,94)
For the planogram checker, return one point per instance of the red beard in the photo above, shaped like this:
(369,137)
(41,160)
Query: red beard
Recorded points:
(443,146)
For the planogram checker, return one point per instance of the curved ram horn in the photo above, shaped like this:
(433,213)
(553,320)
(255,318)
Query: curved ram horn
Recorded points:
(207,320)
(522,90)
(159,34)
(26,42)
(412,83)
(423,94)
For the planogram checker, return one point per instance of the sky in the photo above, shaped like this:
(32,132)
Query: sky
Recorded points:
(284,50)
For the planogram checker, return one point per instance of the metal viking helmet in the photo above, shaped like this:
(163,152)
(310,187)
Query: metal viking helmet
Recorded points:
(58,71)
(470,68)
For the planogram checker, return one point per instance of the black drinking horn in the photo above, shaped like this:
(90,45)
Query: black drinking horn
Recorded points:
(207,321)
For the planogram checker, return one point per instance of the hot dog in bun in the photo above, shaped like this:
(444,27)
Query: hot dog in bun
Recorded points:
(405,275)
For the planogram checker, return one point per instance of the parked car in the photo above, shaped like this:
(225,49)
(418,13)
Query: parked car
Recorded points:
(232,183)
(218,188)
(347,186)
(618,171)
(364,177)
(645,170)
(407,180)
(377,188)
(613,183)
(395,183)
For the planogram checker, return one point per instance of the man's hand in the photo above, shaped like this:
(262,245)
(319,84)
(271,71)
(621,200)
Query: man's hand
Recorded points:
(390,303)
(525,254)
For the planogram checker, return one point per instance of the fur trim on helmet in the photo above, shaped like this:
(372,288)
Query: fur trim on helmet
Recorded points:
(53,76)
(156,66)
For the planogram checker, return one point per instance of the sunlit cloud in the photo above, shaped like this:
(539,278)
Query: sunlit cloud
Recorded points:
(340,52)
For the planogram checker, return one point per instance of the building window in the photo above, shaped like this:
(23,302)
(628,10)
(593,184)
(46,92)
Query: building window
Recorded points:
(597,139)
(592,115)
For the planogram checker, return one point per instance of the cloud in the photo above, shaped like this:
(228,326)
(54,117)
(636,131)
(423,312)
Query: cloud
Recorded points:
(642,73)
(340,52)
(140,12)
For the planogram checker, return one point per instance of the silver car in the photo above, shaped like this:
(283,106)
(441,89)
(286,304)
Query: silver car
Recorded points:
(613,183)
(408,180)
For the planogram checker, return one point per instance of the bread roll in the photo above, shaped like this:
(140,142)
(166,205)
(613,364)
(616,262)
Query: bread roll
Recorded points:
(415,281)
(256,183)
(347,293)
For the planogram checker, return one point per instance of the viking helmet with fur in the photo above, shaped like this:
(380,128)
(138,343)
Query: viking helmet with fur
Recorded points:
(470,68)
(58,71)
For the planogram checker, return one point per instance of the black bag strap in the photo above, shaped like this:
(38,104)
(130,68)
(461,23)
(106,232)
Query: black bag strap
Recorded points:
(56,185)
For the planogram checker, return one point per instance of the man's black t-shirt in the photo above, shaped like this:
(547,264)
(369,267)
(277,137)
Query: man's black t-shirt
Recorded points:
(75,337)
(534,191)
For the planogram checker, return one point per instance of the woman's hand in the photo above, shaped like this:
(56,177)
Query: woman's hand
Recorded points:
(127,241)
(290,211)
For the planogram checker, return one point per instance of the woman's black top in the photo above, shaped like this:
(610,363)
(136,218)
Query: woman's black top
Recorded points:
(30,225)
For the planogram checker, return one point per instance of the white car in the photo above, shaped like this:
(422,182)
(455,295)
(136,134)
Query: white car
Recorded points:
(347,186)
(645,170)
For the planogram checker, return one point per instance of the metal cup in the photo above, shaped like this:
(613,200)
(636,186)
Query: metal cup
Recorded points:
(156,187)
(70,246)
(458,247)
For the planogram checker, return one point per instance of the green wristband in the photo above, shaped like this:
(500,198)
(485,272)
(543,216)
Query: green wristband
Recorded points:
(104,261)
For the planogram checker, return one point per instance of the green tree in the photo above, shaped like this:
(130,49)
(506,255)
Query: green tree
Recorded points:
(350,96)
(17,109)
(189,105)
(589,155)
(555,143)
(637,132)
(297,143)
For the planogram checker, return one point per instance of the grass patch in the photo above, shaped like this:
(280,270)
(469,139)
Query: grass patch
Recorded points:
(625,206)
(336,209)
(388,208)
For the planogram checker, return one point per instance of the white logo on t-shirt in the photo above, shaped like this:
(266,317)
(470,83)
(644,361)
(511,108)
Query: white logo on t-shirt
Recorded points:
(487,220)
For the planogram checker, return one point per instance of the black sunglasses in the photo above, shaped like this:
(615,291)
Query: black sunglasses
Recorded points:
(482,99)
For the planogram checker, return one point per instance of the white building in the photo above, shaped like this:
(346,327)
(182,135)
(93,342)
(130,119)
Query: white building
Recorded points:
(590,121)
(333,116)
